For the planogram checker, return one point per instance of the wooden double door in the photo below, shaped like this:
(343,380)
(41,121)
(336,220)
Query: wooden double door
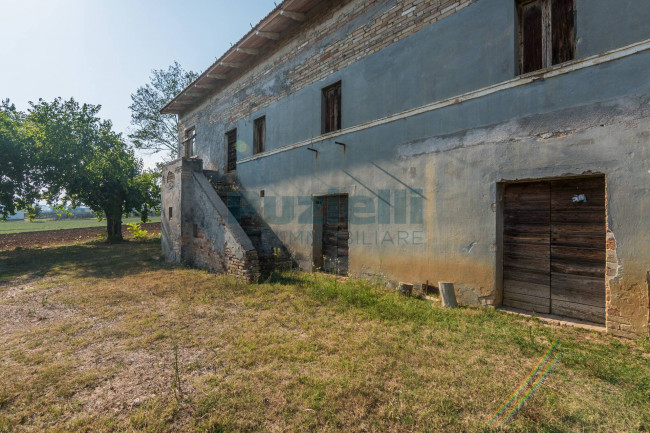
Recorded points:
(554,254)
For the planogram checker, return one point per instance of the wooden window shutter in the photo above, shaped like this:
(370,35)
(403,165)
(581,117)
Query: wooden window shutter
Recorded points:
(532,35)
(259,135)
(563,30)
(188,143)
(546,33)
(332,115)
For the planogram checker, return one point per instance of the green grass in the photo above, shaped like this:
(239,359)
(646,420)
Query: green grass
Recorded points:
(102,337)
(7,227)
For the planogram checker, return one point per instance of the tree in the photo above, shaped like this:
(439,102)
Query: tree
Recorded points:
(155,131)
(78,159)
(37,212)
(17,190)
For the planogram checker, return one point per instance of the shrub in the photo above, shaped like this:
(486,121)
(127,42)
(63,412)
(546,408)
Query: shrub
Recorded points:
(137,231)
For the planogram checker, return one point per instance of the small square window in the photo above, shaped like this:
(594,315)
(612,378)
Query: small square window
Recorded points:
(332,108)
(231,144)
(170,213)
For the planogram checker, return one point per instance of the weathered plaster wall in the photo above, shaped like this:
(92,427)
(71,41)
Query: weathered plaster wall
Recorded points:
(430,181)
(390,56)
(202,232)
(458,174)
(605,25)
(171,197)
(334,39)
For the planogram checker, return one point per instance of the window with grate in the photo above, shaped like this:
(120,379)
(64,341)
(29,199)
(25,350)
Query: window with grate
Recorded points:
(332,108)
(231,145)
(259,135)
(546,33)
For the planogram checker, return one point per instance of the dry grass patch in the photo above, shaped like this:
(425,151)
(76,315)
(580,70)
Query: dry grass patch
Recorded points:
(108,338)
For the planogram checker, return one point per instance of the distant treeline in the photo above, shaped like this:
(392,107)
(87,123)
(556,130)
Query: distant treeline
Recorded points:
(50,215)
(64,216)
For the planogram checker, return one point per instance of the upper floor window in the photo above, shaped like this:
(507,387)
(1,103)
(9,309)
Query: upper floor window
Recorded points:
(546,33)
(259,135)
(332,108)
(189,142)
(231,145)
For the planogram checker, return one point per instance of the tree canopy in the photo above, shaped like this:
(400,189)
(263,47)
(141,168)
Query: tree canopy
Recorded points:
(17,190)
(155,131)
(70,156)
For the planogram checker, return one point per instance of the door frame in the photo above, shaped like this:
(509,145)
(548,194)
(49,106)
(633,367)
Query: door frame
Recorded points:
(500,208)
(317,229)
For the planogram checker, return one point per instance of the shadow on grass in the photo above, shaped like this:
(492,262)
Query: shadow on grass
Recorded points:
(282,276)
(92,259)
(369,298)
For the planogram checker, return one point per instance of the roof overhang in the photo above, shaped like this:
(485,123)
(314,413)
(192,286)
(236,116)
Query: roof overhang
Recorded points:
(241,56)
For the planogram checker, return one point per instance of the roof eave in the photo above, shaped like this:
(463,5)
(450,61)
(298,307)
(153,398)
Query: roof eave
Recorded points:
(242,54)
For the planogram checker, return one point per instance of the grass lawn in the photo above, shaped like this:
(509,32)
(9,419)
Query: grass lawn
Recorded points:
(40,225)
(102,337)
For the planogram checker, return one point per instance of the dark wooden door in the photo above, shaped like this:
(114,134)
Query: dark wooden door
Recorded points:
(526,247)
(335,234)
(578,253)
(554,247)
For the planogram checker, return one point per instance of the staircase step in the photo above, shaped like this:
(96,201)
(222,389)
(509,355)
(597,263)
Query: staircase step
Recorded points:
(250,222)
(252,231)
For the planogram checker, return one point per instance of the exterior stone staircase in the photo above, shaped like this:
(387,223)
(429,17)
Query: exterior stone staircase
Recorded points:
(271,252)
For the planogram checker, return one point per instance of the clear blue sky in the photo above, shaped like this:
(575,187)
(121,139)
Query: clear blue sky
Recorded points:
(101,51)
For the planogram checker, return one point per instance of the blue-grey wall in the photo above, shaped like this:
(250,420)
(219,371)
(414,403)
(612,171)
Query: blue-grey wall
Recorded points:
(469,50)
(604,25)
(593,120)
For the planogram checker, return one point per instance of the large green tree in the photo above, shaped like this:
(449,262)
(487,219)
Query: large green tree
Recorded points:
(78,159)
(154,131)
(18,190)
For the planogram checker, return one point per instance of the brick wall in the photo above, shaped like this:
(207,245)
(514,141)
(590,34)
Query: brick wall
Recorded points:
(626,303)
(387,22)
(246,267)
(201,232)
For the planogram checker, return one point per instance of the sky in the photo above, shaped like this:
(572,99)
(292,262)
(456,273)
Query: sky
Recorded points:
(101,51)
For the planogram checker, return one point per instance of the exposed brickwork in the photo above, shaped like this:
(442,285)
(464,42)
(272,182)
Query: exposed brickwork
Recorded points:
(208,239)
(626,303)
(246,267)
(271,253)
(614,319)
(397,22)
(400,21)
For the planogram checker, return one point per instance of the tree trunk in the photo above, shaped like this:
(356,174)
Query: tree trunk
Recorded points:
(114,228)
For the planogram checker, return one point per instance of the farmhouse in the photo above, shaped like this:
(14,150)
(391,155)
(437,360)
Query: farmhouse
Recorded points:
(502,145)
